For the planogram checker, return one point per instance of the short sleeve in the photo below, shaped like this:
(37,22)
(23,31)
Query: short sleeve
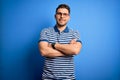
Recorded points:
(43,36)
(76,36)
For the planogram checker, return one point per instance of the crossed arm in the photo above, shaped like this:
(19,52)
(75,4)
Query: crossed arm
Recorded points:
(72,48)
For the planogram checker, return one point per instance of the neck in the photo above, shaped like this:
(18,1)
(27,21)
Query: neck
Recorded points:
(61,28)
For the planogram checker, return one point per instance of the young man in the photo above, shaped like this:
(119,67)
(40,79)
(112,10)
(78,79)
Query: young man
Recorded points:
(58,45)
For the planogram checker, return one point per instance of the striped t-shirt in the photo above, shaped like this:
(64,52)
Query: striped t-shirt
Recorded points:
(59,68)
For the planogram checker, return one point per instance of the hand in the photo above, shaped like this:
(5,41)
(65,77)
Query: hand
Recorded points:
(50,45)
(73,41)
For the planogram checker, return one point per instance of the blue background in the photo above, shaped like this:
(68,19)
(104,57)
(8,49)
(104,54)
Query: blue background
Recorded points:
(98,22)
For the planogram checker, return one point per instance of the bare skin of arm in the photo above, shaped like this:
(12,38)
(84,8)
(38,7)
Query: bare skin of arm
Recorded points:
(60,49)
(46,50)
(69,49)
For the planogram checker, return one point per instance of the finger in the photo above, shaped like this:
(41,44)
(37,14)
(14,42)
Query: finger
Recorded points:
(73,41)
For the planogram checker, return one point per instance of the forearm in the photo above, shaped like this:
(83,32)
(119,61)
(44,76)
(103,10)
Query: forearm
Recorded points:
(68,49)
(47,51)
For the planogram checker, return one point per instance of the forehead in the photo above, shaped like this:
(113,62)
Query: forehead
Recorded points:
(63,10)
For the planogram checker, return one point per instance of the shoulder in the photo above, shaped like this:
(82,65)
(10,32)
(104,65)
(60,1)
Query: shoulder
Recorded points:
(73,31)
(48,29)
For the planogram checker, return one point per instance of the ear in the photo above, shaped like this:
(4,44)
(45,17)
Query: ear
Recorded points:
(69,18)
(55,16)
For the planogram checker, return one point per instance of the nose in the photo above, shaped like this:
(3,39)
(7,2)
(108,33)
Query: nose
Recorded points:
(62,15)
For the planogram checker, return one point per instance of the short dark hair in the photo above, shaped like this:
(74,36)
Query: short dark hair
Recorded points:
(63,6)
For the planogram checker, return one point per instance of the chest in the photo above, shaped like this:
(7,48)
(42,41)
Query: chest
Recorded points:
(63,38)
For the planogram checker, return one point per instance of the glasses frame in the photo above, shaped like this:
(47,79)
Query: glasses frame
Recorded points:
(62,14)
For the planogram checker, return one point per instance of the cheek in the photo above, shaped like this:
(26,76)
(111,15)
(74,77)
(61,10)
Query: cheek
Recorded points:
(56,17)
(68,18)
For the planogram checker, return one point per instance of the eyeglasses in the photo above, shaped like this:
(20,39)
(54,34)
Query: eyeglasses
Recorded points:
(60,14)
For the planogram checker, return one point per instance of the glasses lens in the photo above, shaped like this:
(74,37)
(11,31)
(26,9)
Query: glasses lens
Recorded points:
(64,14)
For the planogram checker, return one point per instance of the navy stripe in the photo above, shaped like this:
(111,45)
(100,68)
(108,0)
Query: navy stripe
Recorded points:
(43,40)
(79,41)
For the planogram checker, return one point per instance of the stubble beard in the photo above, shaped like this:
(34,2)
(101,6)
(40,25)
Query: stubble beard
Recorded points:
(61,25)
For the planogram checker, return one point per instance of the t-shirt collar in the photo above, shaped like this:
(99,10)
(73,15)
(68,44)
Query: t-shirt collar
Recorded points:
(66,30)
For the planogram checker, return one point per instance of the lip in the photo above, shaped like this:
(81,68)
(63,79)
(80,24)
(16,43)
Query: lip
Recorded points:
(61,20)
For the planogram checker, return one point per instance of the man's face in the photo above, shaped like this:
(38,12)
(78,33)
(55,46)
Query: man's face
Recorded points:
(62,16)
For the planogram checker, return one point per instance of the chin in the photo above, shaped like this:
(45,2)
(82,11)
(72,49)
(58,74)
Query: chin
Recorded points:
(61,25)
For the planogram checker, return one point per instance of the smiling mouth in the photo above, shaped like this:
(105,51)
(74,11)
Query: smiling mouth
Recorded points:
(61,20)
